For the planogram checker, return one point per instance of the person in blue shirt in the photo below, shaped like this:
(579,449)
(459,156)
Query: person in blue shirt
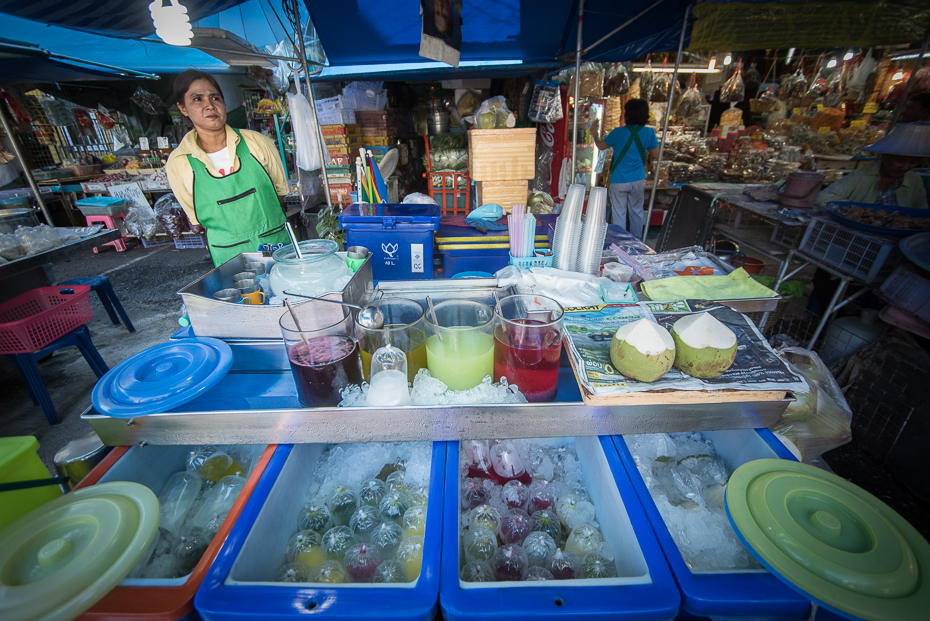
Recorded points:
(631,144)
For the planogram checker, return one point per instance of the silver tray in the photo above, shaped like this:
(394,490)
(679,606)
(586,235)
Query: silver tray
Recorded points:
(212,317)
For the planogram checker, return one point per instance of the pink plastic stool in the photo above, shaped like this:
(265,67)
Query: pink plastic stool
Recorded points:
(110,222)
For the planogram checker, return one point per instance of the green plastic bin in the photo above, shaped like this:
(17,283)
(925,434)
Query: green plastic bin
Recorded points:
(19,462)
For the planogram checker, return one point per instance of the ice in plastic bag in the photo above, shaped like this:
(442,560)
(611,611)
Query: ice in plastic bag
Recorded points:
(213,463)
(218,504)
(388,378)
(176,499)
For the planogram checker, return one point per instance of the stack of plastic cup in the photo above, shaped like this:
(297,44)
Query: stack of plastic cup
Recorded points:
(593,233)
(565,242)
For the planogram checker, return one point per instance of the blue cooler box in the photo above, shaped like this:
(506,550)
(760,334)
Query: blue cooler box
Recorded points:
(721,595)
(399,237)
(239,586)
(465,249)
(644,590)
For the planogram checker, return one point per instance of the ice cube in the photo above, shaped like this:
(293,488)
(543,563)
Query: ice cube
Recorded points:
(388,389)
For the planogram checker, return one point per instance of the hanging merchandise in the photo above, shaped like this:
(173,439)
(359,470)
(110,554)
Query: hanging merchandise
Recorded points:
(306,133)
(922,79)
(833,96)
(860,75)
(691,101)
(647,81)
(280,80)
(664,82)
(616,81)
(171,216)
(818,84)
(752,79)
(592,81)
(734,91)
(149,103)
(794,85)
(546,104)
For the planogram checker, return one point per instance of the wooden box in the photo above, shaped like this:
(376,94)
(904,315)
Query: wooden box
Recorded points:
(502,154)
(504,193)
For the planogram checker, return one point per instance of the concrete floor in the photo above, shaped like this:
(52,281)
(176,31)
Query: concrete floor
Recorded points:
(146,282)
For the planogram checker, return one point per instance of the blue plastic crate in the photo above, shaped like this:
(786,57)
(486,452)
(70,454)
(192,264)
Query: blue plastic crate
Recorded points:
(270,518)
(399,237)
(646,590)
(476,260)
(724,595)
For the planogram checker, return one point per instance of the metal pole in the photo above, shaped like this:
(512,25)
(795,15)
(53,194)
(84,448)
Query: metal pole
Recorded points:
(668,113)
(577,89)
(22,160)
(316,121)
(621,27)
(910,82)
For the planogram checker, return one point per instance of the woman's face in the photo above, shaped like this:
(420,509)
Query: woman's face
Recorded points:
(204,106)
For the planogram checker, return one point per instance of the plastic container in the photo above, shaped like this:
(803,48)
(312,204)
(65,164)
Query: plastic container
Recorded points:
(645,591)
(102,206)
(400,237)
(473,259)
(190,240)
(167,599)
(742,594)
(19,462)
(32,320)
(868,258)
(239,586)
(11,219)
(14,202)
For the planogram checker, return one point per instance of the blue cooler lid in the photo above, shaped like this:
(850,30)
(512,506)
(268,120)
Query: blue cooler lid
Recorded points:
(162,377)
(404,213)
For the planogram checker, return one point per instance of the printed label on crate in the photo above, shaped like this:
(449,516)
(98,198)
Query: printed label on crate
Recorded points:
(391,254)
(94,187)
(143,144)
(416,258)
(162,142)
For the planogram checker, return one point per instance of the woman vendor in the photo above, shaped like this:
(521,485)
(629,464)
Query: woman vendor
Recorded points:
(227,180)
(630,143)
(889,180)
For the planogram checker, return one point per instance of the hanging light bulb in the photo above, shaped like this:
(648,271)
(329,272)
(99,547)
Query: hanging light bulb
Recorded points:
(831,64)
(789,56)
(727,60)
(898,75)
(849,55)
(172,23)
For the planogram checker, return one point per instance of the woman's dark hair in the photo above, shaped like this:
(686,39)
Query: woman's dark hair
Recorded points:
(183,82)
(636,112)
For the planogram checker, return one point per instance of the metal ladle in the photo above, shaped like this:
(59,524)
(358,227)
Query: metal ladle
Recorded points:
(369,317)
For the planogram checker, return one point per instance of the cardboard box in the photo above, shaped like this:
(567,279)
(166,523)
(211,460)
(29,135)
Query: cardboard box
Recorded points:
(502,154)
(504,193)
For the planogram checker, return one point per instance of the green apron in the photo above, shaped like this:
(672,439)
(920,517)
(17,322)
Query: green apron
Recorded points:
(240,211)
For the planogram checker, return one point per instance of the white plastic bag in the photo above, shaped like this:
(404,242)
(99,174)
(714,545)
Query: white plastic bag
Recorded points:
(306,133)
(417,198)
(546,104)
(493,113)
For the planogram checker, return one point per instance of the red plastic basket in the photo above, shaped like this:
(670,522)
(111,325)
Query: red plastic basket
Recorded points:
(32,320)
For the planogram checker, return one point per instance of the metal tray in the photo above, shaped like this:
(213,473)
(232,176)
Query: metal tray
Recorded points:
(211,317)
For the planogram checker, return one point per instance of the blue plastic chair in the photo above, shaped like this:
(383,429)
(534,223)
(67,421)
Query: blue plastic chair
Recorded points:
(101,284)
(80,338)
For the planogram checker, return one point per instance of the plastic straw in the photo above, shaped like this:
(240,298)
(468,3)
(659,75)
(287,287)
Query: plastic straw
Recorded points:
(296,322)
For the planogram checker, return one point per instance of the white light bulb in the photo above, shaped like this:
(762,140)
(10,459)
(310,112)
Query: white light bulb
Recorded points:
(831,64)
(728,59)
(898,75)
(172,23)
(712,64)
(849,55)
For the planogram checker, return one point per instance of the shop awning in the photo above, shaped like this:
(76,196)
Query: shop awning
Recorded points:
(752,25)
(24,63)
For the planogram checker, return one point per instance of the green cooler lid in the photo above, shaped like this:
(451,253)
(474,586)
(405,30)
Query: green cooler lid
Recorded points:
(830,540)
(60,559)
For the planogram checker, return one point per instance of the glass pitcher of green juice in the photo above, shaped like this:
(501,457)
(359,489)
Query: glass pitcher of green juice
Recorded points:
(403,328)
(460,347)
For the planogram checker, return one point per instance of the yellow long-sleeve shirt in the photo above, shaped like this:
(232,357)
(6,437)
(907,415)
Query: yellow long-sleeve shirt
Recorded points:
(181,176)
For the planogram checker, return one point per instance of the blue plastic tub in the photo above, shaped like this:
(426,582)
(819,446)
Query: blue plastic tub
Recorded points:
(473,260)
(239,587)
(740,594)
(399,237)
(644,591)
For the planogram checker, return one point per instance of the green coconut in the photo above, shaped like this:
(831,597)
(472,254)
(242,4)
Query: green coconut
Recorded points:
(642,350)
(705,348)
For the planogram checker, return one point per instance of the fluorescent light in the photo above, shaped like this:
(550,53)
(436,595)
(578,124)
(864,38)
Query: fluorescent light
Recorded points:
(712,64)
(849,55)
(680,70)
(898,75)
(789,56)
(831,64)
(172,23)
(909,56)
(728,59)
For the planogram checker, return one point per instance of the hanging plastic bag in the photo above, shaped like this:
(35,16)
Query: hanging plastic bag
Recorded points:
(540,202)
(646,81)
(493,113)
(664,83)
(284,70)
(141,222)
(817,421)
(794,85)
(752,79)
(306,133)
(545,104)
(149,103)
(922,79)
(691,101)
(171,216)
(734,90)
(616,81)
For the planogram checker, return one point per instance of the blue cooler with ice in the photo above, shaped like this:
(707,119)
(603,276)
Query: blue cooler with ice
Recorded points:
(710,587)
(262,570)
(577,479)
(399,237)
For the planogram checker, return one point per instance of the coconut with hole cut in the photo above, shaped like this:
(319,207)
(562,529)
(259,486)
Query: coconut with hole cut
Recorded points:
(642,350)
(705,348)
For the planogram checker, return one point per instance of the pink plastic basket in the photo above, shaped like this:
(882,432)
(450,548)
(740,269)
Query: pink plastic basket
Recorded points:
(32,320)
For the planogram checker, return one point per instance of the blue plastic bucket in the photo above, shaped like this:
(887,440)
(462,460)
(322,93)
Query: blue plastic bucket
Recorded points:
(644,591)
(723,595)
(239,586)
